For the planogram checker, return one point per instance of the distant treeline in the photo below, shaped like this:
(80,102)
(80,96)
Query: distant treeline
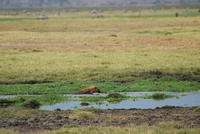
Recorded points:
(87,3)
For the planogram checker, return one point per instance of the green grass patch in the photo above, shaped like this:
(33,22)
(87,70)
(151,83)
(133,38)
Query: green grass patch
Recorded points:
(197,109)
(155,32)
(33,101)
(16,19)
(160,84)
(160,96)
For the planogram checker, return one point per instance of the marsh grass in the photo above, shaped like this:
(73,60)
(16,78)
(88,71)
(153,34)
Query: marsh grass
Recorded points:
(6,103)
(160,96)
(33,101)
(197,109)
(115,95)
(155,84)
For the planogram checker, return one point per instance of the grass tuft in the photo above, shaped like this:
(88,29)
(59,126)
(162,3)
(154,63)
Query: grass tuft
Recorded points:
(80,114)
(160,96)
(31,103)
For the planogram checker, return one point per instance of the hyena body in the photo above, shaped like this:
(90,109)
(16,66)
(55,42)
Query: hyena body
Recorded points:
(89,90)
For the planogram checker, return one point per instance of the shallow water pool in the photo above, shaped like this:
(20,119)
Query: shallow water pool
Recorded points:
(186,99)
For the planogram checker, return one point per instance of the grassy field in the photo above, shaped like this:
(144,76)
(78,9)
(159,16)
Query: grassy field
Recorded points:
(134,45)
(132,49)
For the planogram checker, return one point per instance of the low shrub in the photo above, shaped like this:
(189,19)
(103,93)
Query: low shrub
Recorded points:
(82,115)
(31,103)
(115,95)
(197,109)
(160,96)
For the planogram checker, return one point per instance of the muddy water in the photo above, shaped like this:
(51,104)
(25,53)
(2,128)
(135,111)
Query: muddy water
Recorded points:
(183,100)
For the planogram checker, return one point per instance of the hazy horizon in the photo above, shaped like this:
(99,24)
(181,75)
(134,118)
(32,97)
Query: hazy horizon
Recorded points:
(4,4)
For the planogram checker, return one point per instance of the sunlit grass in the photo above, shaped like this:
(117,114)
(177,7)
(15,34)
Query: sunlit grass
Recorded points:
(70,47)
(52,66)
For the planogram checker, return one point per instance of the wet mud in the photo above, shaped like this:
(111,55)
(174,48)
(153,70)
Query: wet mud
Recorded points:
(188,117)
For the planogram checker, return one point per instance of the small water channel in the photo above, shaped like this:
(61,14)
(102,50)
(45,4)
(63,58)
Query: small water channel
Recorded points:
(186,99)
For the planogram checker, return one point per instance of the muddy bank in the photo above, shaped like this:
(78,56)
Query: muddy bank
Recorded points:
(44,120)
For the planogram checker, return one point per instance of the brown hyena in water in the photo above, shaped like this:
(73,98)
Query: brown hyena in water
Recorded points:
(89,90)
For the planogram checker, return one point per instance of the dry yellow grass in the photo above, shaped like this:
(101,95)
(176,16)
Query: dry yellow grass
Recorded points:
(78,48)
(80,114)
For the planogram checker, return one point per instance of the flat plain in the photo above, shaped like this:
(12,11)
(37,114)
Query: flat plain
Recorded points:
(127,50)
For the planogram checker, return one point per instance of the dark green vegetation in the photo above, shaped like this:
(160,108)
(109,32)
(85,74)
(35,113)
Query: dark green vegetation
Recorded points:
(6,102)
(161,84)
(16,19)
(115,95)
(197,109)
(160,96)
(111,98)
(32,101)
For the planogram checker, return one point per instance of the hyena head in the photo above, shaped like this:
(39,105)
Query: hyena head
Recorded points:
(95,89)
